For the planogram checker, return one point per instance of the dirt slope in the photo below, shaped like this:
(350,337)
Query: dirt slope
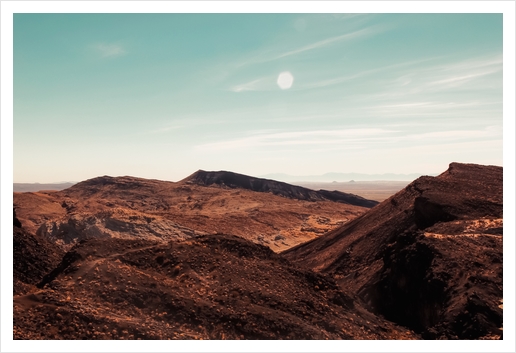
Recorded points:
(212,287)
(430,257)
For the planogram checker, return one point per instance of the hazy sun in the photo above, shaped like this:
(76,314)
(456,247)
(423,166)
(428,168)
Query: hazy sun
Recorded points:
(285,80)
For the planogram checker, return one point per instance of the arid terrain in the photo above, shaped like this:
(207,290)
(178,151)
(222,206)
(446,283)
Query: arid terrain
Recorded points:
(221,255)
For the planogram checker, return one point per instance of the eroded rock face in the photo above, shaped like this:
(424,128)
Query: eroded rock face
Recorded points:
(406,290)
(70,230)
(415,257)
(442,285)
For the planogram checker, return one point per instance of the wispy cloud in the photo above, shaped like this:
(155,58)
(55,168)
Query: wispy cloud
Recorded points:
(474,63)
(371,30)
(455,81)
(312,137)
(443,111)
(328,41)
(419,83)
(165,129)
(456,74)
(337,80)
(454,135)
(109,50)
(249,86)
(189,121)
(266,82)
(352,138)
(406,105)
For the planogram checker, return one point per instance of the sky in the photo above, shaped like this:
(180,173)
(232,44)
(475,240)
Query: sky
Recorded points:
(163,95)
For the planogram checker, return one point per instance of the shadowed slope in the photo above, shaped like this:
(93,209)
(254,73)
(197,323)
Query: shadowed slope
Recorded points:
(33,257)
(211,287)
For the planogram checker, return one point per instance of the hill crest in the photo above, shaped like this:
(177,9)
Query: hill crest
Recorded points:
(240,181)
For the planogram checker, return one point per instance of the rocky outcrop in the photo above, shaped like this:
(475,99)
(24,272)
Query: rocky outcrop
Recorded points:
(108,224)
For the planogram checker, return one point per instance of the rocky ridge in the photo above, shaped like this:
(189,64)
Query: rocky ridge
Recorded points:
(430,257)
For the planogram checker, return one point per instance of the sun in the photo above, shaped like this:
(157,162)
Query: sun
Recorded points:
(285,80)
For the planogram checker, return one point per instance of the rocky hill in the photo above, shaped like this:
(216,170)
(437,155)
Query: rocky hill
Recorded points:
(234,180)
(430,257)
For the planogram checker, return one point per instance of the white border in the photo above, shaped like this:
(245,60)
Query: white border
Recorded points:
(7,10)
(257,6)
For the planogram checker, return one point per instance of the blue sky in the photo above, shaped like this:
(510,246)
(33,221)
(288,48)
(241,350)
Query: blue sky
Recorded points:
(162,95)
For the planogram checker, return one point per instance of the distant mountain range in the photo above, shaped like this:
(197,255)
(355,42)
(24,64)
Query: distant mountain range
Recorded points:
(32,187)
(329,177)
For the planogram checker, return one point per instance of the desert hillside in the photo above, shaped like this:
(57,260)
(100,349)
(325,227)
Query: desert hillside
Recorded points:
(128,207)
